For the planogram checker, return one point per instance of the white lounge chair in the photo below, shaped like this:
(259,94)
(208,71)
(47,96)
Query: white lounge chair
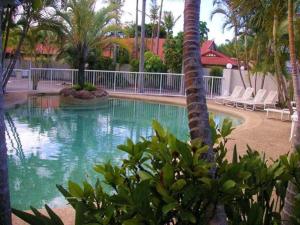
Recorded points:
(245,97)
(254,102)
(236,93)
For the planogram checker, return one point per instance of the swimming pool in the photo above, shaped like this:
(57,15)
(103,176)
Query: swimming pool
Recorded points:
(49,143)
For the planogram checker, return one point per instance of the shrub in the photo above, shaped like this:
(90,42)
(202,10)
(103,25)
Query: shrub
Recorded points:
(134,65)
(77,87)
(153,63)
(216,71)
(165,180)
(123,56)
(89,87)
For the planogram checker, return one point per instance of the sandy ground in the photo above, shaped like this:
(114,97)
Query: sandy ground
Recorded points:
(263,134)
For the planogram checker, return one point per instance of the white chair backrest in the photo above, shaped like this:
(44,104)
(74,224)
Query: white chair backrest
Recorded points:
(271,97)
(260,96)
(237,92)
(247,94)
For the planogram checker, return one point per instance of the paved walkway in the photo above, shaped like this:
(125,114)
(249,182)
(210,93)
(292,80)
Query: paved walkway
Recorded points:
(265,135)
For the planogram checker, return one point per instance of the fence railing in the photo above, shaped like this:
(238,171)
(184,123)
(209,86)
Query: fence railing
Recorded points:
(116,81)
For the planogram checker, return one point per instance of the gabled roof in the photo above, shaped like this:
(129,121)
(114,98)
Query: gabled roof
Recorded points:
(210,55)
(208,45)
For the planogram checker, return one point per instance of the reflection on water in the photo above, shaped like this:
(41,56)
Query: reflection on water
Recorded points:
(49,144)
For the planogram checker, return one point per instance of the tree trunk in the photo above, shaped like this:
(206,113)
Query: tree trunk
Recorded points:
(282,90)
(142,49)
(246,61)
(158,26)
(287,210)
(5,211)
(136,35)
(7,27)
(81,64)
(196,101)
(237,56)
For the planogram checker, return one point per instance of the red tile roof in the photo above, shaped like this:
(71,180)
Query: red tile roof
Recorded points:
(215,58)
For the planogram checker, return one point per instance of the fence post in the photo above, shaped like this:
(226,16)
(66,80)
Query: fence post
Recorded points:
(94,77)
(115,79)
(212,87)
(160,84)
(72,77)
(135,82)
(29,78)
(51,77)
(182,91)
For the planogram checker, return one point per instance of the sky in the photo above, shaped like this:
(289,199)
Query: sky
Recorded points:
(176,6)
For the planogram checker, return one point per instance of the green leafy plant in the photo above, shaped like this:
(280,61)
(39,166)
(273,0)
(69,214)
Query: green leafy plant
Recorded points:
(216,71)
(77,87)
(153,63)
(89,87)
(165,181)
(134,65)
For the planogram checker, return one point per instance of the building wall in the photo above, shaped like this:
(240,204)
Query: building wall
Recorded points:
(232,79)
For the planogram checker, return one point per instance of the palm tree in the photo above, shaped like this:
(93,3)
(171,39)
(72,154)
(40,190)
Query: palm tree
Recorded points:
(158,26)
(169,22)
(195,91)
(142,47)
(153,19)
(5,210)
(287,211)
(266,18)
(224,7)
(117,4)
(136,33)
(82,28)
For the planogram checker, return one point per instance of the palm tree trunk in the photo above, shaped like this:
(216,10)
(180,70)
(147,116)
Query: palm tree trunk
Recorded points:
(237,56)
(7,27)
(158,26)
(136,35)
(282,90)
(5,211)
(81,64)
(291,191)
(246,61)
(142,48)
(195,92)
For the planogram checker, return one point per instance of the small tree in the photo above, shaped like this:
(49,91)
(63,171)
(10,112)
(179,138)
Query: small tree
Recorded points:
(173,50)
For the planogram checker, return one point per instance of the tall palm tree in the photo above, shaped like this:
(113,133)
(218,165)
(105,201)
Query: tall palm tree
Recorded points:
(136,33)
(5,210)
(224,7)
(158,26)
(153,19)
(195,91)
(81,27)
(117,5)
(169,21)
(287,210)
(142,47)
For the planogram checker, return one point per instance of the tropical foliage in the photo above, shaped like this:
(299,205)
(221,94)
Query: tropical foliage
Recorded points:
(82,29)
(173,49)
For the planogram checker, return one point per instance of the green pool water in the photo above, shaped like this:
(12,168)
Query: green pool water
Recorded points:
(49,144)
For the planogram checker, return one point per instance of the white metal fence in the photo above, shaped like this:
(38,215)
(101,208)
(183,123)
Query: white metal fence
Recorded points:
(171,84)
